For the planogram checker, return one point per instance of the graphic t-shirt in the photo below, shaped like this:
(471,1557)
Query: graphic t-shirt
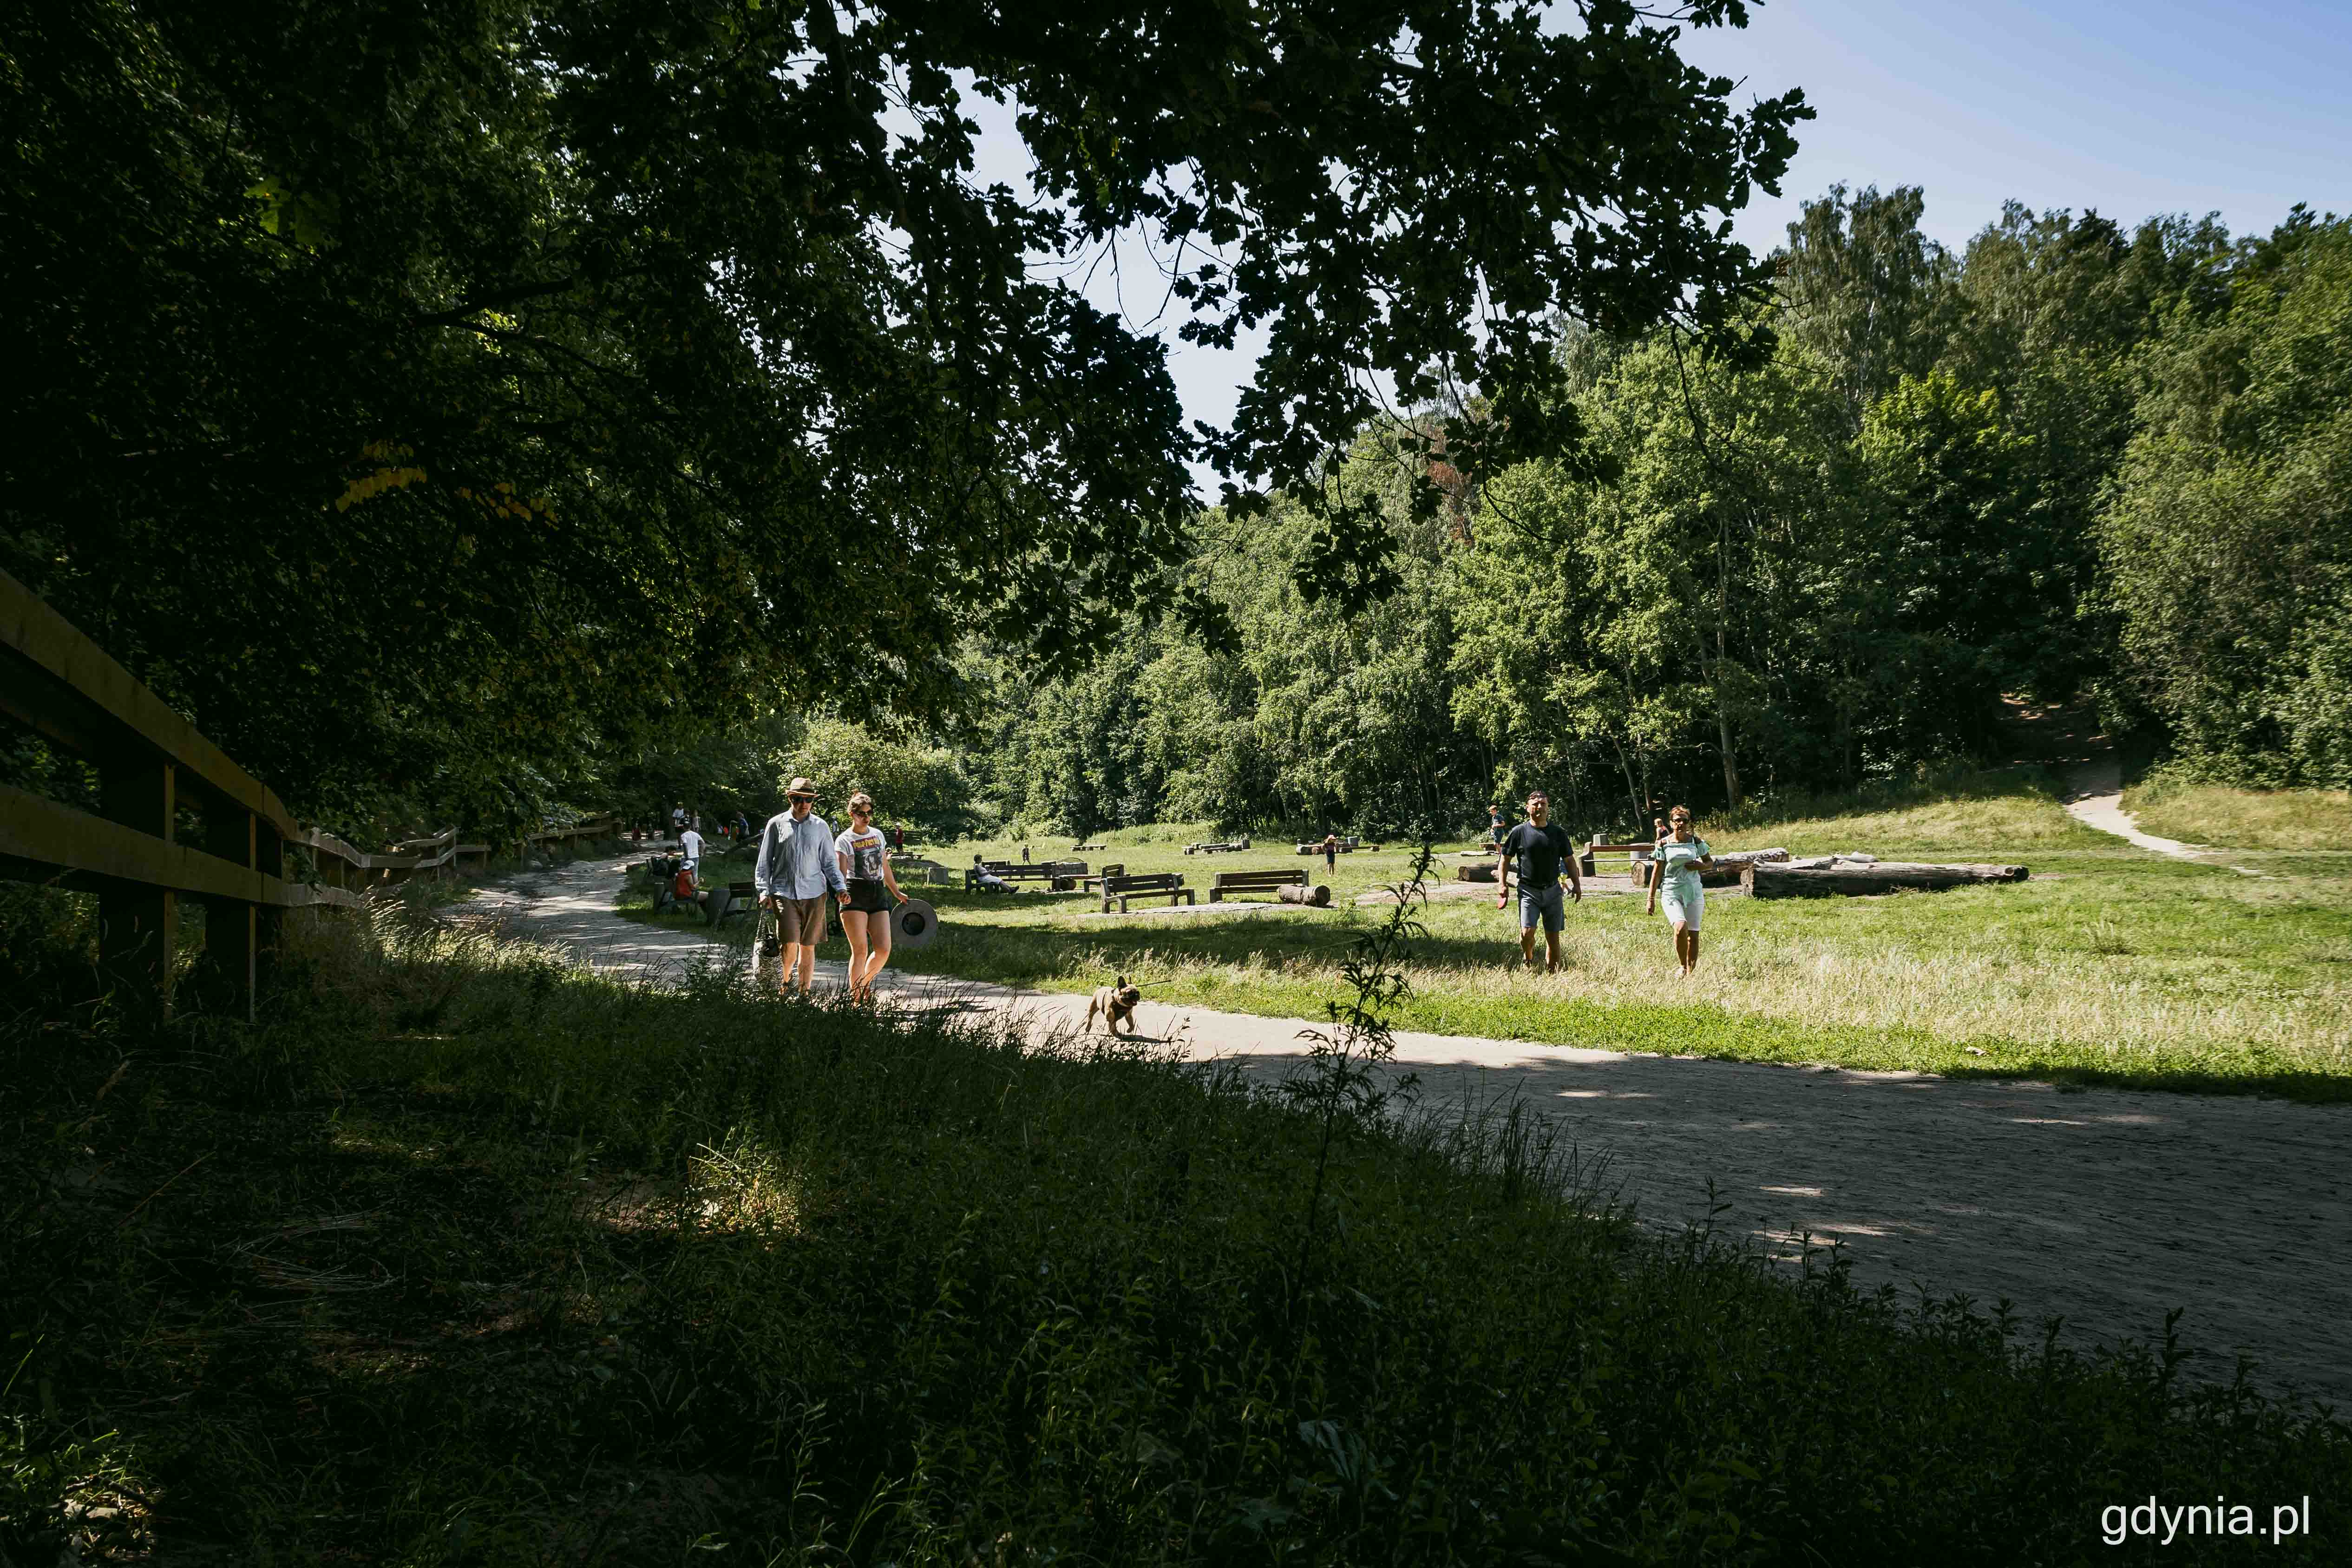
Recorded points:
(1680,879)
(1539,851)
(866,852)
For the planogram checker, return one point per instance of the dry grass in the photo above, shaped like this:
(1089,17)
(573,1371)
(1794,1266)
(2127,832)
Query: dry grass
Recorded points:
(2110,961)
(2243,818)
(2011,809)
(1953,972)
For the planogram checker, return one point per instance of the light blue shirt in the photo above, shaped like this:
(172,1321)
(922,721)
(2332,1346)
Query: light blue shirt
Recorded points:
(796,859)
(1682,877)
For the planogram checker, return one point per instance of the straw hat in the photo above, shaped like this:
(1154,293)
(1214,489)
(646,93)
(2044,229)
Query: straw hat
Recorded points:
(799,789)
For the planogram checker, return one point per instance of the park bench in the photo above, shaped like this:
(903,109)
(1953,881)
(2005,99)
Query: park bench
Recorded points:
(1291,886)
(1083,848)
(1111,869)
(732,899)
(1637,856)
(1219,846)
(1168,885)
(1346,847)
(717,903)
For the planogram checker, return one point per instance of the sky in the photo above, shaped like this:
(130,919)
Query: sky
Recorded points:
(2129,107)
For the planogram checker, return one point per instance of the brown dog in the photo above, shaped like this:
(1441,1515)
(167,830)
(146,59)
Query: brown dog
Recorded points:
(1117,1003)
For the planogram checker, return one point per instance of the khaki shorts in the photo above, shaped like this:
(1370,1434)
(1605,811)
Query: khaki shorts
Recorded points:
(800,921)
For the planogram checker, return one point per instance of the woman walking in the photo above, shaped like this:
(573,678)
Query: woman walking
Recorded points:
(874,896)
(1675,870)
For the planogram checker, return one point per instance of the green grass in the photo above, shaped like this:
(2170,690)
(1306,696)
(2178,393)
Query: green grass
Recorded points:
(2292,819)
(2110,964)
(470,1258)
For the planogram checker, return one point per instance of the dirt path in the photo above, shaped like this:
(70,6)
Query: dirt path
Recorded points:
(2108,1207)
(2068,740)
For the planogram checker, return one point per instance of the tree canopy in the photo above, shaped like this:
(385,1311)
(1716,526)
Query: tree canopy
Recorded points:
(443,401)
(2074,459)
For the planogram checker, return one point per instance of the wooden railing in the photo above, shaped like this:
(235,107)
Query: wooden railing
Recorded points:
(151,765)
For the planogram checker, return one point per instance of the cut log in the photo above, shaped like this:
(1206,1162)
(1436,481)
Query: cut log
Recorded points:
(1484,871)
(1750,856)
(1317,895)
(1849,880)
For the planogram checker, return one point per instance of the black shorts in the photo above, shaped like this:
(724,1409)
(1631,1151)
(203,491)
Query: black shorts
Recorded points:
(868,897)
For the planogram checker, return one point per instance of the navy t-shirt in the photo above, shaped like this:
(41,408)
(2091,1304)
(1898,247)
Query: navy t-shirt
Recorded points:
(1539,851)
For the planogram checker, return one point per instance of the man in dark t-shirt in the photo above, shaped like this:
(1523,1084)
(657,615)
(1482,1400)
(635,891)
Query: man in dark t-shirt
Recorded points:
(1537,851)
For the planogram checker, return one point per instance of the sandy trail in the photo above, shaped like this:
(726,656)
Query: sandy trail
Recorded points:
(2106,1207)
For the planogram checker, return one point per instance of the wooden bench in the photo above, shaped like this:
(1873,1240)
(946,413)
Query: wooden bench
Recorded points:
(1083,848)
(732,899)
(1168,885)
(1291,887)
(1220,846)
(1637,856)
(1113,869)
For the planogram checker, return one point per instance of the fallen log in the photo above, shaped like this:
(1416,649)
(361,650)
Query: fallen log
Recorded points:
(1849,880)
(1483,871)
(1317,897)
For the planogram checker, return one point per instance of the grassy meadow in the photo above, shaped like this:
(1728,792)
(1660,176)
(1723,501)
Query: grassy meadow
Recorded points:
(2110,965)
(467,1257)
(2288,819)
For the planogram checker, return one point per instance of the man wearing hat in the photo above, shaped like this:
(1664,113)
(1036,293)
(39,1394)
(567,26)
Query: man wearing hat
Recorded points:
(796,869)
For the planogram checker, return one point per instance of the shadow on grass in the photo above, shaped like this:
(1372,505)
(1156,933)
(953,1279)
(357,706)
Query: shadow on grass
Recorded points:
(471,1259)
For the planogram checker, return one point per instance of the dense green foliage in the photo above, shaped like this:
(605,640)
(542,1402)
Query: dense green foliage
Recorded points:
(2231,538)
(451,403)
(2073,459)
(468,1259)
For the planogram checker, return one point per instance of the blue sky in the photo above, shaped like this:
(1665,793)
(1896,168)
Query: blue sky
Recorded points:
(2131,107)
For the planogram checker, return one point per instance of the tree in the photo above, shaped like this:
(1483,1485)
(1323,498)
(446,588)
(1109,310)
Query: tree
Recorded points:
(503,380)
(909,781)
(2228,546)
(1865,291)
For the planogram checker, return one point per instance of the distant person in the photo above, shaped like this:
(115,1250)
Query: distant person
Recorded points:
(898,839)
(796,869)
(874,896)
(1495,826)
(1675,872)
(1541,851)
(689,849)
(1331,853)
(677,819)
(1025,854)
(742,828)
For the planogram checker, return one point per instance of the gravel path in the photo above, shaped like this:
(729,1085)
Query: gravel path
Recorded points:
(2106,1207)
(2095,799)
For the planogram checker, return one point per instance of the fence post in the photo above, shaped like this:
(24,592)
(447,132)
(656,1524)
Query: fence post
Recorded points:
(138,927)
(232,925)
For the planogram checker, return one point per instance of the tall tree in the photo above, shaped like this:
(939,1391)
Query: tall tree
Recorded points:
(1865,291)
(400,384)
(2229,543)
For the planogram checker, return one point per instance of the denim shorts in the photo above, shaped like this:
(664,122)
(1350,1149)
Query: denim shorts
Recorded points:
(1548,903)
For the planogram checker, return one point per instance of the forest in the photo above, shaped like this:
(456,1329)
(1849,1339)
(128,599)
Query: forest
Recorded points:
(461,425)
(2077,460)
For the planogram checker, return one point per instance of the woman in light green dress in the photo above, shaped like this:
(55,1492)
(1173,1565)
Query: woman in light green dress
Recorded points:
(1681,856)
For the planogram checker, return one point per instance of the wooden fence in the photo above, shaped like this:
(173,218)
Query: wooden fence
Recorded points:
(153,766)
